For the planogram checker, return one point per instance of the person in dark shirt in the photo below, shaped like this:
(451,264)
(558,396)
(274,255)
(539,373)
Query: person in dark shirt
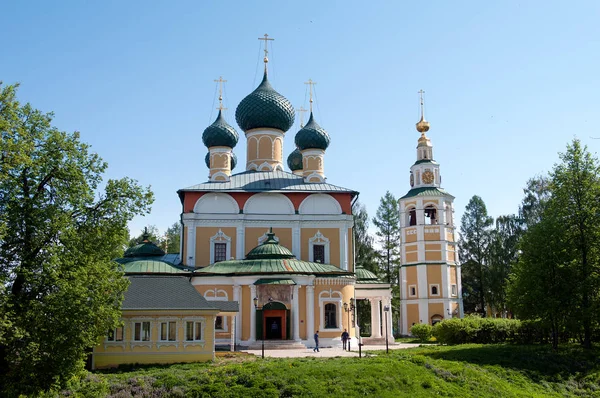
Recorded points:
(316,349)
(345,337)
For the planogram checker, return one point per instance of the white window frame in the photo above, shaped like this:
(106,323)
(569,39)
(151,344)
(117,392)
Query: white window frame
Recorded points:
(195,320)
(330,297)
(114,332)
(167,322)
(431,286)
(318,239)
(220,237)
(220,295)
(141,321)
(454,290)
(410,287)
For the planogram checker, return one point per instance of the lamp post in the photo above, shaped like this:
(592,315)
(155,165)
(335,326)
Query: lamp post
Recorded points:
(262,325)
(386,308)
(349,308)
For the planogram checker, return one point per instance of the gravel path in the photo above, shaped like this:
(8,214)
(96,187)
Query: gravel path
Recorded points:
(327,352)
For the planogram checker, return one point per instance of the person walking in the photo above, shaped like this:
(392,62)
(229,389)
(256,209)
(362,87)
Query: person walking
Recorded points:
(345,337)
(316,349)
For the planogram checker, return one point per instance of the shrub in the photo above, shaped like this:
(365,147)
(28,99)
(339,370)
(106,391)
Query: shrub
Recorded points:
(422,331)
(474,329)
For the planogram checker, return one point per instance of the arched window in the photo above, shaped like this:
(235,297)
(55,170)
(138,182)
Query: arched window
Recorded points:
(448,215)
(412,216)
(430,215)
(330,316)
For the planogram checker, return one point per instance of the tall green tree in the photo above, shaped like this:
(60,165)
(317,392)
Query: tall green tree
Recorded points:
(387,221)
(365,254)
(173,237)
(60,290)
(575,190)
(475,236)
(537,194)
(502,255)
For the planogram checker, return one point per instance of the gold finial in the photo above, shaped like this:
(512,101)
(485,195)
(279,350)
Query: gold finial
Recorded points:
(266,59)
(301,111)
(310,85)
(221,81)
(422,125)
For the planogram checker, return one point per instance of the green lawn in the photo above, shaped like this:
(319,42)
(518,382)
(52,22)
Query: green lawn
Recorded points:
(458,371)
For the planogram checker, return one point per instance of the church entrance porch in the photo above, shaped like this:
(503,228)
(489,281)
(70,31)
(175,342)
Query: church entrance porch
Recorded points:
(274,320)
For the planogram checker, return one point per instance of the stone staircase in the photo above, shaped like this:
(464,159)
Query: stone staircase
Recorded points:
(277,345)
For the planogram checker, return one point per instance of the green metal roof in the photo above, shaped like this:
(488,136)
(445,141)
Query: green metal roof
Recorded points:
(271,266)
(426,191)
(220,134)
(294,161)
(265,108)
(163,293)
(364,276)
(429,161)
(266,181)
(312,136)
(275,282)
(269,249)
(144,249)
(149,265)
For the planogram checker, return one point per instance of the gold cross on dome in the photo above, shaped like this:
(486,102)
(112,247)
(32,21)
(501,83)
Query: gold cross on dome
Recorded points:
(266,39)
(310,86)
(301,111)
(221,81)
(421,92)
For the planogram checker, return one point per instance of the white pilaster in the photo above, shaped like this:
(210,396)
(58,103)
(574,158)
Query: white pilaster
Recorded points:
(295,314)
(191,246)
(252,314)
(237,296)
(388,302)
(310,311)
(296,244)
(344,248)
(445,281)
(240,243)
(376,317)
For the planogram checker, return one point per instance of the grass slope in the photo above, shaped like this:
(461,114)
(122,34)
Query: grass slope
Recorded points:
(459,371)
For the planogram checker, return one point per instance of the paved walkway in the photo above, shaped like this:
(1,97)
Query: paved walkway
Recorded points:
(327,352)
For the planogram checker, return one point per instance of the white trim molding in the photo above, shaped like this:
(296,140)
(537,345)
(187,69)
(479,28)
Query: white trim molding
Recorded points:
(330,297)
(318,239)
(220,237)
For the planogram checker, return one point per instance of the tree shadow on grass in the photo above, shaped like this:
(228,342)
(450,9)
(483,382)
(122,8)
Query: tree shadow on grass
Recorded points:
(538,362)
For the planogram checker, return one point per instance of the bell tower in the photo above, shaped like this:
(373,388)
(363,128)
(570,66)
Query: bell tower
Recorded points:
(430,276)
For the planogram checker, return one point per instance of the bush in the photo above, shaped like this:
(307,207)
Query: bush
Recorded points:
(422,331)
(474,329)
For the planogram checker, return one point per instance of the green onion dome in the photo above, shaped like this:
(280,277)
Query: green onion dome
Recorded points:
(294,161)
(233,160)
(144,249)
(312,136)
(270,249)
(265,108)
(220,134)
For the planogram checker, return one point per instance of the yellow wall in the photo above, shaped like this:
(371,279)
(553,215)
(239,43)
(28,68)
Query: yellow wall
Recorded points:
(412,253)
(302,305)
(411,278)
(333,234)
(203,235)
(245,312)
(347,293)
(412,314)
(436,309)
(410,234)
(432,232)
(453,275)
(114,354)
(449,236)
(434,276)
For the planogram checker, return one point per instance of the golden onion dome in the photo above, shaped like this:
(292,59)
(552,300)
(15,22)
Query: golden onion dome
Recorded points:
(422,125)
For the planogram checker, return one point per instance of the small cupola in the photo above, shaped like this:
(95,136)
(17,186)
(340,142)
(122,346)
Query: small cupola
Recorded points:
(144,249)
(220,139)
(294,162)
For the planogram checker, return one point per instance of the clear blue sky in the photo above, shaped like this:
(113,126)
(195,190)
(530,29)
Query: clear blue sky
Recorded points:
(507,84)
